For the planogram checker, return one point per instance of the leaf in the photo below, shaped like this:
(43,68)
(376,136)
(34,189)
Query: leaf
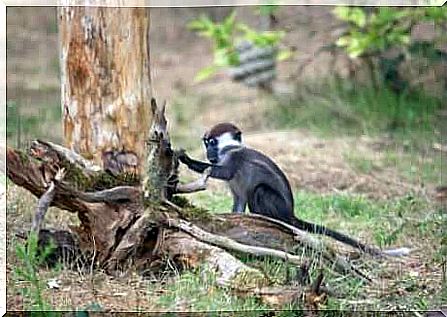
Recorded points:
(221,57)
(228,24)
(233,58)
(342,13)
(358,17)
(205,73)
(343,41)
(283,55)
(202,23)
(196,25)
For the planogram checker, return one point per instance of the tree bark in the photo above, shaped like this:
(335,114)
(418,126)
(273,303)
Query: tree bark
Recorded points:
(105,81)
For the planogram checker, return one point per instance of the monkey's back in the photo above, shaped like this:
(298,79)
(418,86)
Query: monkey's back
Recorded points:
(263,184)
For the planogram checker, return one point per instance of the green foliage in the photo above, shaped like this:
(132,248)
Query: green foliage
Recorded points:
(376,30)
(226,35)
(373,31)
(31,257)
(261,39)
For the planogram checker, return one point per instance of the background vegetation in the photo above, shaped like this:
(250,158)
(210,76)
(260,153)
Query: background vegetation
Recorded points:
(357,122)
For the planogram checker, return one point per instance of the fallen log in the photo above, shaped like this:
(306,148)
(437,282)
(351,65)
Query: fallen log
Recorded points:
(121,227)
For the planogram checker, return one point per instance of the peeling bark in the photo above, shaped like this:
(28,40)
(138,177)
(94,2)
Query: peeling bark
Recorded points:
(106,87)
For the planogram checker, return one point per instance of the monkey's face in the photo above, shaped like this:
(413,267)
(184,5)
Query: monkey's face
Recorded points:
(215,144)
(212,149)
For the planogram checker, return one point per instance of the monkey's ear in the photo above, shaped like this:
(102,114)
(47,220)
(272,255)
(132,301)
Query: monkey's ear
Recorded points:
(153,105)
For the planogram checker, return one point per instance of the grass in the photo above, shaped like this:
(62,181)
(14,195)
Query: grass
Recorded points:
(397,222)
(409,125)
(338,107)
(196,290)
(31,258)
(417,167)
(384,220)
(34,115)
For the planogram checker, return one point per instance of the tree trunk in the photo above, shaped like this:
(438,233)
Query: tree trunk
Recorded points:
(106,86)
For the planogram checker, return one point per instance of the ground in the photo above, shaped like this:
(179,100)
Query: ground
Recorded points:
(375,186)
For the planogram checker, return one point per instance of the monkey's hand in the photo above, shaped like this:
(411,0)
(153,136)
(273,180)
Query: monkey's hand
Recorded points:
(206,173)
(182,156)
(192,164)
(204,178)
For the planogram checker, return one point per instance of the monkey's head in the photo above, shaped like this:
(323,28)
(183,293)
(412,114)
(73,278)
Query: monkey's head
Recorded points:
(220,136)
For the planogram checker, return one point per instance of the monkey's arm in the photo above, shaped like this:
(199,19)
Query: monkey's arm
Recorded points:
(196,166)
(223,172)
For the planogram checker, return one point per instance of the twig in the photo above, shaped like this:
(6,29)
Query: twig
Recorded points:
(316,286)
(45,201)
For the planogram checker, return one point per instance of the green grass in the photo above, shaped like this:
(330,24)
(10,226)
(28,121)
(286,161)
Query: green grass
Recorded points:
(416,166)
(27,120)
(197,290)
(384,220)
(336,107)
(389,223)
(31,258)
(410,124)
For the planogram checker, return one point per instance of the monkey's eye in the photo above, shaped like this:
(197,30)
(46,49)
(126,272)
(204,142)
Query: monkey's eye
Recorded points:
(212,142)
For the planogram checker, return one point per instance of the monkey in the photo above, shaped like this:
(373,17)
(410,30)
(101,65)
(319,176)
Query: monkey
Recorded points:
(257,182)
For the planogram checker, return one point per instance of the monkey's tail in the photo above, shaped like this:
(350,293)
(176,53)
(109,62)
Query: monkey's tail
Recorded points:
(318,229)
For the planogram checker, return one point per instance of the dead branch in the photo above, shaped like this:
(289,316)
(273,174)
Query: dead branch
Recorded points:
(230,244)
(112,195)
(45,201)
(44,150)
(192,187)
